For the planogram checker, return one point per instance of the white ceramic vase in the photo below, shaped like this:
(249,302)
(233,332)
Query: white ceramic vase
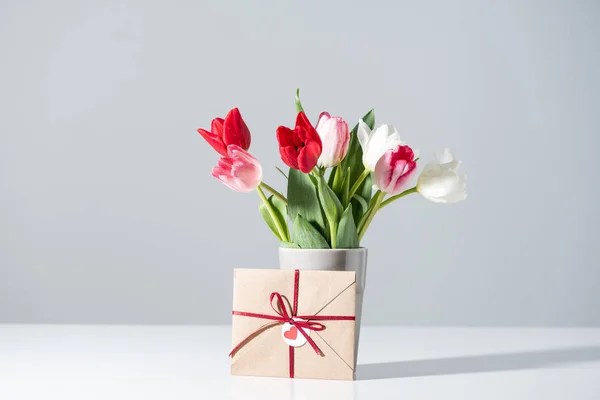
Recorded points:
(331,260)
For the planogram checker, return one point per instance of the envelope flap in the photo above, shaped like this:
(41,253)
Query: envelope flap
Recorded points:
(330,366)
(252,288)
(339,335)
(317,289)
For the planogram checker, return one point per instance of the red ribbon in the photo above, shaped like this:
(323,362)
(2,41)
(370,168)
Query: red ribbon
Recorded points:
(284,316)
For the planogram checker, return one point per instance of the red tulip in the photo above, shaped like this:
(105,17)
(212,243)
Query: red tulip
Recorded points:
(301,147)
(394,169)
(224,132)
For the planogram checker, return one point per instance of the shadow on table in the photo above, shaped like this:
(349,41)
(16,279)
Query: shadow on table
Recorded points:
(478,363)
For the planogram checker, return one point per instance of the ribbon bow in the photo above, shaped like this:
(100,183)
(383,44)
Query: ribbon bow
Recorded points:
(301,322)
(301,325)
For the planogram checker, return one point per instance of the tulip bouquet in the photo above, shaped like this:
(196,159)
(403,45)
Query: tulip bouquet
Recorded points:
(333,173)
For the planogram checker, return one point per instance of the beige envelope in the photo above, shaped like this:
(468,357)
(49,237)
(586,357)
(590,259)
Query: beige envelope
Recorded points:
(323,293)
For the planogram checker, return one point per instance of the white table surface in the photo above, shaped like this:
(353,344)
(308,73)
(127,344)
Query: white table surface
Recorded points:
(190,362)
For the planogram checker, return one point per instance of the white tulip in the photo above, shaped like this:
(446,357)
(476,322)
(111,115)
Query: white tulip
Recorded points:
(376,143)
(441,182)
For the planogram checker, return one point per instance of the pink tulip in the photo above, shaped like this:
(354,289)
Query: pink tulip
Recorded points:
(394,169)
(335,139)
(238,170)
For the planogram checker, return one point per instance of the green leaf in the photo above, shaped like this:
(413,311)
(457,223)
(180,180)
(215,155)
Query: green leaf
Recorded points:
(353,162)
(347,235)
(337,181)
(363,205)
(303,200)
(313,179)
(307,236)
(366,192)
(329,201)
(345,189)
(282,173)
(289,245)
(366,189)
(279,208)
(327,233)
(298,102)
(332,174)
(353,159)
(267,217)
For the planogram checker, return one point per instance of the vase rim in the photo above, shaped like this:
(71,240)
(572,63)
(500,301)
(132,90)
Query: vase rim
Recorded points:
(324,250)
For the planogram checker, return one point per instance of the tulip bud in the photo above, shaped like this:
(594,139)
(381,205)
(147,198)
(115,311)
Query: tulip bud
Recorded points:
(441,182)
(335,138)
(300,147)
(239,170)
(229,131)
(376,142)
(394,169)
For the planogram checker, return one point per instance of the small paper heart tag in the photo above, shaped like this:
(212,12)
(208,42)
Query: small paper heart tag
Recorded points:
(291,336)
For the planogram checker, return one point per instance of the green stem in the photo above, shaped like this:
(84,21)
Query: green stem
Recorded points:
(333,234)
(358,182)
(318,172)
(362,220)
(273,191)
(398,196)
(282,232)
(376,203)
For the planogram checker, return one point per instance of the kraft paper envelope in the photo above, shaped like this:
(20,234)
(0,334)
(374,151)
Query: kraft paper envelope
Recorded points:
(321,293)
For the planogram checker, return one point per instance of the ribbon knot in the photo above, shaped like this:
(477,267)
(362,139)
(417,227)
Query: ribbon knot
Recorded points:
(291,318)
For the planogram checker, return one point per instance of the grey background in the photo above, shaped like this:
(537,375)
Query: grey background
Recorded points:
(108,212)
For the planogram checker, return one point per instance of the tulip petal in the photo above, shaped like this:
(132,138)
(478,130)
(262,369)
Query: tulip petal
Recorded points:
(363,133)
(308,156)
(382,139)
(235,130)
(289,155)
(284,136)
(441,182)
(444,156)
(383,171)
(225,163)
(346,143)
(302,120)
(394,169)
(323,117)
(404,178)
(238,153)
(335,139)
(214,141)
(460,190)
(216,127)
(224,177)
(239,171)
